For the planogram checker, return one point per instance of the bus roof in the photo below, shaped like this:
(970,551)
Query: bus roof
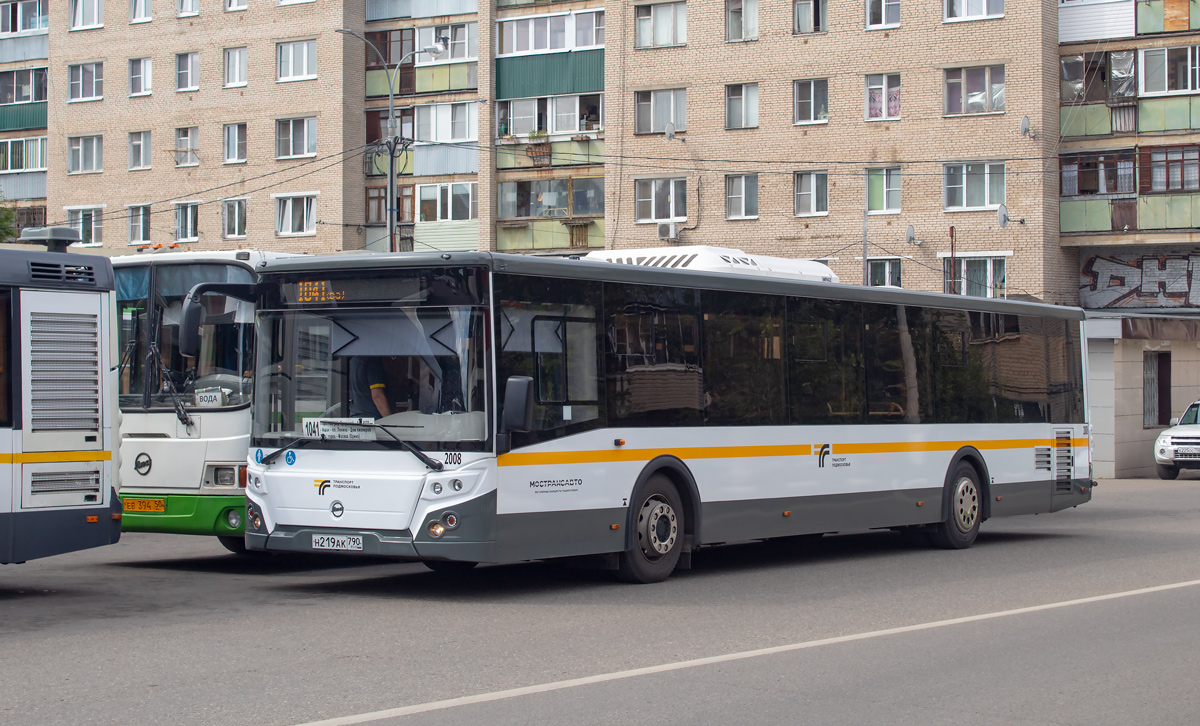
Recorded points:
(718,259)
(55,270)
(582,269)
(253,258)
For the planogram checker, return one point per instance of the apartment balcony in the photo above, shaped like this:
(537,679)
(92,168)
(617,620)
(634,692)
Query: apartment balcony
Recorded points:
(578,233)
(1079,21)
(20,116)
(1169,16)
(1097,119)
(388,9)
(375,162)
(1121,215)
(436,8)
(424,79)
(550,74)
(23,185)
(28,46)
(580,149)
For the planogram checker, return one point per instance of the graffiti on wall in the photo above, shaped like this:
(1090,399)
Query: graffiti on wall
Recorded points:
(1139,278)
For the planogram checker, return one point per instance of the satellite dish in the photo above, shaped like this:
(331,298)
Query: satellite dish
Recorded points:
(1002,216)
(1024,125)
(670,130)
(910,235)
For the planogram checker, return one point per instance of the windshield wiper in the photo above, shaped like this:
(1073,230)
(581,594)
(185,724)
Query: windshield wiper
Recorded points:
(165,374)
(425,458)
(294,444)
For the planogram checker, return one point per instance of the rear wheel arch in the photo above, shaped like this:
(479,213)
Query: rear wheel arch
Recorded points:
(689,493)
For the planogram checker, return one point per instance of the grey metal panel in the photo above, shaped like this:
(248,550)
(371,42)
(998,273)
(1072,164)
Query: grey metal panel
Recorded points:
(1027,497)
(433,8)
(23,185)
(1081,493)
(6,537)
(54,532)
(559,267)
(432,159)
(25,48)
(545,535)
(387,9)
(14,269)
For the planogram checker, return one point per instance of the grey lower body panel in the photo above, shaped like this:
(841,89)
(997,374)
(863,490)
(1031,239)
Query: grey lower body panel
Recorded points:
(545,535)
(285,538)
(1079,493)
(28,535)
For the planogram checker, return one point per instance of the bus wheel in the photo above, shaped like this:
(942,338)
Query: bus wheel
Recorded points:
(449,567)
(1167,472)
(966,500)
(657,533)
(236,545)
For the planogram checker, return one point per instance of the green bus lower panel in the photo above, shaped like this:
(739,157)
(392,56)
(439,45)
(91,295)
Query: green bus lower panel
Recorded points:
(188,514)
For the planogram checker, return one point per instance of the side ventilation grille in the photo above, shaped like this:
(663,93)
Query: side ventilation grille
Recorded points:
(1063,460)
(70,482)
(64,363)
(1043,459)
(59,272)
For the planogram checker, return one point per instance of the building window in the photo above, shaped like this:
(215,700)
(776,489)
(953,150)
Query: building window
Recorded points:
(139,224)
(975,276)
(555,115)
(295,137)
(883,96)
(187,144)
(575,197)
(23,86)
(809,16)
(883,13)
(86,82)
(23,154)
(463,43)
(86,14)
(445,202)
(235,67)
(141,11)
(1170,169)
(741,19)
(297,61)
(589,30)
(88,222)
(1156,389)
(883,272)
(140,76)
(446,122)
(974,9)
(741,196)
(231,5)
(187,221)
(659,25)
(1110,172)
(377,205)
(655,109)
(741,106)
(531,35)
(812,193)
(235,143)
(17,17)
(85,153)
(812,101)
(187,7)
(883,190)
(1167,71)
(661,200)
(1093,77)
(187,71)
(295,215)
(139,150)
(233,218)
(975,90)
(974,186)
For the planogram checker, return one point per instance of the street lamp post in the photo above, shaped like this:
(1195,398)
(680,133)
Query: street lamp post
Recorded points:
(394,141)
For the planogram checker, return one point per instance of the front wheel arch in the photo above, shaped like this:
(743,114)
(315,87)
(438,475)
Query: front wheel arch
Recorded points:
(972,456)
(685,484)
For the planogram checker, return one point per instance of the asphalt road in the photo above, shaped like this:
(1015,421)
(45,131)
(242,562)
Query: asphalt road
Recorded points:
(850,629)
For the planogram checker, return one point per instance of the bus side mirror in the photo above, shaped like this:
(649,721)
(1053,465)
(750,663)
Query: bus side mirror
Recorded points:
(193,312)
(518,405)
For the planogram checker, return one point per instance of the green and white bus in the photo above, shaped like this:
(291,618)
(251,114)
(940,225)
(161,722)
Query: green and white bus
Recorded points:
(58,414)
(468,407)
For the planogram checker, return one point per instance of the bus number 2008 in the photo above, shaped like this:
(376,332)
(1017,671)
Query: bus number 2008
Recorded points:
(453,458)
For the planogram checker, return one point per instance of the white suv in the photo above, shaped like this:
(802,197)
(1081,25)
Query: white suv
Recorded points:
(1179,446)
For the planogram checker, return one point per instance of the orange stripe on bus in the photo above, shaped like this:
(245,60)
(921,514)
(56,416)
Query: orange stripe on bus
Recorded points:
(52,457)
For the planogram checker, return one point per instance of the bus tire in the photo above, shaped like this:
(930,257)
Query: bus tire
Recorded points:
(236,545)
(1167,472)
(449,567)
(658,531)
(959,530)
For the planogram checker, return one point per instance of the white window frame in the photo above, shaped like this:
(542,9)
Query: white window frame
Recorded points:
(40,24)
(77,151)
(139,224)
(966,15)
(435,123)
(294,2)
(97,86)
(883,85)
(30,76)
(892,187)
(285,207)
(80,11)
(815,116)
(645,17)
(466,45)
(237,142)
(535,28)
(93,214)
(296,55)
(236,67)
(229,210)
(597,32)
(741,20)
(989,73)
(988,171)
(187,69)
(740,189)
(187,144)
(141,11)
(232,6)
(33,148)
(1193,74)
(187,8)
(677,113)
(309,126)
(144,74)
(884,6)
(817,180)
(741,106)
(644,192)
(187,221)
(445,193)
(890,265)
(140,150)
(815,10)
(554,104)
(993,289)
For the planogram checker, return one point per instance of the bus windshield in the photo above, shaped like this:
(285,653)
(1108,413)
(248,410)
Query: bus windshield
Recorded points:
(415,373)
(152,371)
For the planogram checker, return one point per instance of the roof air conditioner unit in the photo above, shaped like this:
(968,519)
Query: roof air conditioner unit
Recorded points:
(668,231)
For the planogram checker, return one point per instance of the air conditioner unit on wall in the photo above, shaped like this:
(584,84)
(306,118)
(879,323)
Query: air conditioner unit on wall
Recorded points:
(668,231)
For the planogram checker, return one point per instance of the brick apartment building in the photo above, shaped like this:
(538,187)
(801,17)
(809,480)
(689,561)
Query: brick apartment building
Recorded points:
(24,49)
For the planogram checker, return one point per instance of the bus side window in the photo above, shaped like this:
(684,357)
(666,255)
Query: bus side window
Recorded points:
(825,361)
(744,371)
(5,360)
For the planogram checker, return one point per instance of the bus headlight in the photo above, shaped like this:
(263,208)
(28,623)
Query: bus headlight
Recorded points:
(436,529)
(253,517)
(225,476)
(258,484)
(234,518)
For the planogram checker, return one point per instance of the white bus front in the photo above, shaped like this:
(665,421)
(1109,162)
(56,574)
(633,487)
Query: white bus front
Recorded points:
(371,431)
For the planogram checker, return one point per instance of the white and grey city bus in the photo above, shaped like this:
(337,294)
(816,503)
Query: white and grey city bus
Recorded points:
(58,415)
(473,407)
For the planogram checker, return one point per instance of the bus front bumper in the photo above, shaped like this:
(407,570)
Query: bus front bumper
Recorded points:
(188,514)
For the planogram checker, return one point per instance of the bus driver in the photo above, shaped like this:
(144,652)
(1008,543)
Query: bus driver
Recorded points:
(368,388)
